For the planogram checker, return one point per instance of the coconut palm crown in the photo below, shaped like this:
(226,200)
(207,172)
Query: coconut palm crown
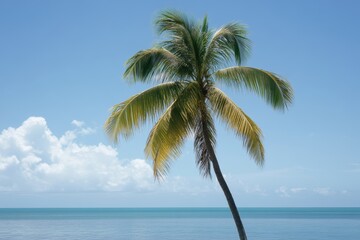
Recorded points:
(186,67)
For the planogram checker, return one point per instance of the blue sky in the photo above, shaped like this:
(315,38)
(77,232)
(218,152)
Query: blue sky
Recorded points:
(61,66)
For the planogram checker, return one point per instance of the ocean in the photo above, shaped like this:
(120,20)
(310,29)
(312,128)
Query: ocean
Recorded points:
(178,223)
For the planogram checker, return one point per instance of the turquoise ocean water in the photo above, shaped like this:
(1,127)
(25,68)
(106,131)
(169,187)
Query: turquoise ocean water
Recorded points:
(179,223)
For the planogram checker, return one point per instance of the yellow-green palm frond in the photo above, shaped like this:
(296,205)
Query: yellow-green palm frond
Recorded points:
(228,42)
(188,67)
(128,115)
(276,91)
(186,39)
(167,136)
(204,137)
(237,120)
(180,31)
(175,23)
(153,63)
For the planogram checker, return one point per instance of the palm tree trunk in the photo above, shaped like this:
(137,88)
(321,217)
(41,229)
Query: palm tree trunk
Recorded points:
(229,198)
(226,190)
(219,176)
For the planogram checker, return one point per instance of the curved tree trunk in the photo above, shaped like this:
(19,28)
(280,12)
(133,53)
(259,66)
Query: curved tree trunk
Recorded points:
(229,198)
(225,188)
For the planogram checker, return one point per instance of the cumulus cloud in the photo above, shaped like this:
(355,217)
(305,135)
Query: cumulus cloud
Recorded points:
(77,123)
(81,129)
(32,158)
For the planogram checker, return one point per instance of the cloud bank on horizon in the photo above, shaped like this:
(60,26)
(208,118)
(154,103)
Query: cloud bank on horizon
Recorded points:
(32,158)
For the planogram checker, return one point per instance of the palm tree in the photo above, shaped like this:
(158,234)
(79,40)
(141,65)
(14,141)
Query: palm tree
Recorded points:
(186,65)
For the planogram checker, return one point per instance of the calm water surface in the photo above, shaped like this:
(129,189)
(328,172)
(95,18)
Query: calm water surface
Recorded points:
(179,223)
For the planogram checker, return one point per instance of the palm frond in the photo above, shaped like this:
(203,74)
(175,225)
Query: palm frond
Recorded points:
(228,42)
(205,25)
(174,22)
(167,136)
(276,91)
(204,134)
(180,30)
(153,63)
(203,43)
(185,38)
(128,115)
(187,68)
(237,120)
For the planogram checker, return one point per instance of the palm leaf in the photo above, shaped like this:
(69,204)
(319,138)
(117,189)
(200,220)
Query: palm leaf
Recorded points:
(227,42)
(185,38)
(174,22)
(276,91)
(128,115)
(180,29)
(204,134)
(205,25)
(237,120)
(167,136)
(153,63)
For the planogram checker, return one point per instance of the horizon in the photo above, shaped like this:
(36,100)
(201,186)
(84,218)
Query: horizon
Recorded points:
(144,208)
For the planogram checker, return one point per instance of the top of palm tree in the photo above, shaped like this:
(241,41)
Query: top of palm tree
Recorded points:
(190,46)
(186,65)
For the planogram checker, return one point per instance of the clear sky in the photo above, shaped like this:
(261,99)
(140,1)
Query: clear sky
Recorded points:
(61,66)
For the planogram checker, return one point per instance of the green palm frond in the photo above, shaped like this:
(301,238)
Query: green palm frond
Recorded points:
(128,115)
(205,134)
(153,63)
(188,68)
(228,42)
(185,39)
(237,120)
(204,39)
(205,25)
(167,136)
(276,91)
(174,22)
(181,34)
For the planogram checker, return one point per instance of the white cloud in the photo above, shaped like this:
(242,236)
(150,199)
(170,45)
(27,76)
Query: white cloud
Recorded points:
(32,158)
(77,123)
(81,129)
(252,189)
(323,191)
(283,191)
(298,189)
